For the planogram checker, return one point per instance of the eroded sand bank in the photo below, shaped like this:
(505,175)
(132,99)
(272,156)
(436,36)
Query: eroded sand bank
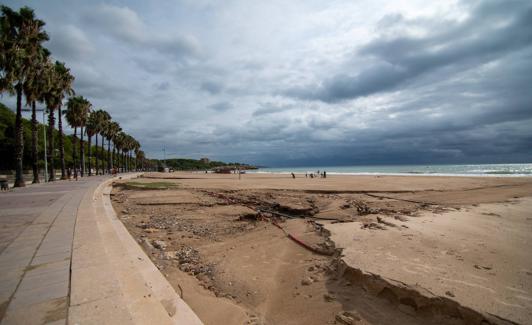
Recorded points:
(409,250)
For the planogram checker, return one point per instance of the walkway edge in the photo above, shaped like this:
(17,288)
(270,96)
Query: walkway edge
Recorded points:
(113,280)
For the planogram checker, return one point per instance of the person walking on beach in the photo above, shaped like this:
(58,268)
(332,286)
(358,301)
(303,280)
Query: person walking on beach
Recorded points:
(293,175)
(324,174)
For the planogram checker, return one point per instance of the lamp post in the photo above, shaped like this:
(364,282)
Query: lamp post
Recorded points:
(43,110)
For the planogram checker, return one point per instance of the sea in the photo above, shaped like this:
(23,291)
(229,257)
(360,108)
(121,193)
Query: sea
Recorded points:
(494,170)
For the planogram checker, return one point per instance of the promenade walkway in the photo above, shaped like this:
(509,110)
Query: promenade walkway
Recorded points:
(66,258)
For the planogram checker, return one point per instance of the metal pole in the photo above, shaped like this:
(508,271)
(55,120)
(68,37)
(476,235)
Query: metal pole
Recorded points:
(44,136)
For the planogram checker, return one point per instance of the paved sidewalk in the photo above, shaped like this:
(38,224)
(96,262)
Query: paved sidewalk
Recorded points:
(62,258)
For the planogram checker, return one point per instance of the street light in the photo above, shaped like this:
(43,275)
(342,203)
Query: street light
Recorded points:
(43,110)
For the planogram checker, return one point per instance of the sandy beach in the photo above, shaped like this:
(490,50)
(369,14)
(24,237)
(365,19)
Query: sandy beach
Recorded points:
(269,249)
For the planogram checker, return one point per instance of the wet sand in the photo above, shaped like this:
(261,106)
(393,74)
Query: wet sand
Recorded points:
(380,249)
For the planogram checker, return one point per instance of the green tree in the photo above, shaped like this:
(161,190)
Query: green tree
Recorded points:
(60,85)
(91,130)
(101,118)
(78,109)
(34,88)
(21,36)
(112,128)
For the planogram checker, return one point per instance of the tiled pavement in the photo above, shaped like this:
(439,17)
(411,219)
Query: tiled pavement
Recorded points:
(36,235)
(65,258)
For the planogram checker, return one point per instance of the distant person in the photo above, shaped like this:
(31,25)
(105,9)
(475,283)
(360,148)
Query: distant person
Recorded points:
(306,175)
(76,174)
(311,175)
(324,174)
(293,175)
(69,173)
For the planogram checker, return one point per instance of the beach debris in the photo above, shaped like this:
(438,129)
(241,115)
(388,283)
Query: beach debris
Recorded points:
(169,255)
(362,208)
(159,244)
(187,254)
(306,281)
(329,297)
(373,225)
(347,318)
(481,267)
(294,206)
(390,224)
(449,293)
(146,243)
(400,218)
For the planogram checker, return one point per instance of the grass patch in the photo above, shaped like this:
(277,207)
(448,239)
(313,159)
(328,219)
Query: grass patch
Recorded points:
(149,186)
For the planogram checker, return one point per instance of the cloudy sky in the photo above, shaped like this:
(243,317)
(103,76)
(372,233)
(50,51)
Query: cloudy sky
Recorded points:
(306,82)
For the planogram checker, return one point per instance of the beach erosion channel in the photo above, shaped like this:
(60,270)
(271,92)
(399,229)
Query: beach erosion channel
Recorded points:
(272,249)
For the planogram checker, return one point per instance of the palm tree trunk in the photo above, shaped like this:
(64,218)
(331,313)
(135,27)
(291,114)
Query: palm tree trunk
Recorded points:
(96,155)
(34,156)
(19,140)
(81,152)
(103,155)
(61,143)
(51,126)
(74,154)
(109,155)
(89,153)
(113,155)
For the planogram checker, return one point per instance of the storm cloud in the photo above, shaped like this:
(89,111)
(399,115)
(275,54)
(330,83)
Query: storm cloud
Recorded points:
(306,82)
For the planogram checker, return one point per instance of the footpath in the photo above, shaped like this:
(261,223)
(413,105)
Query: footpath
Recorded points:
(65,258)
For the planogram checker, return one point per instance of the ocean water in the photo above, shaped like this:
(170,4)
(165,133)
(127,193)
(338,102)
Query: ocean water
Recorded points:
(433,170)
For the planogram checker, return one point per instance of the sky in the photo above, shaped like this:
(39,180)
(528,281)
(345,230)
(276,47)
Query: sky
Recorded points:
(305,82)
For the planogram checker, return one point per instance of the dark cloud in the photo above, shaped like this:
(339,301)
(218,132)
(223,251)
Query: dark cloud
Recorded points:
(211,87)
(124,24)
(491,31)
(67,42)
(299,83)
(221,106)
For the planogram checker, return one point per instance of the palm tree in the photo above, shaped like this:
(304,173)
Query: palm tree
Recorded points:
(63,81)
(120,140)
(76,115)
(114,136)
(100,118)
(106,119)
(21,36)
(129,147)
(85,109)
(91,129)
(110,131)
(34,89)
(71,116)
(60,84)
(140,159)
(135,149)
